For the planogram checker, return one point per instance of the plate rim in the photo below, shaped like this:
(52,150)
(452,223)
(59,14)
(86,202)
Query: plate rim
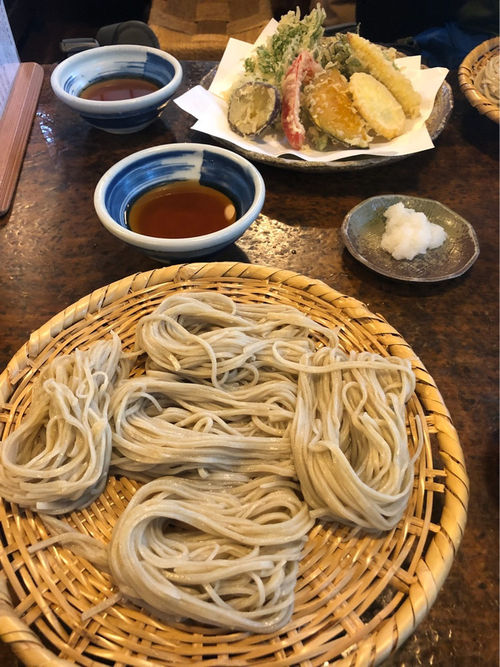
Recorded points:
(358,255)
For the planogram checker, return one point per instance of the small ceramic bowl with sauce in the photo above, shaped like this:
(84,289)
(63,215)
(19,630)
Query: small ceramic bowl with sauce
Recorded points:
(121,88)
(179,201)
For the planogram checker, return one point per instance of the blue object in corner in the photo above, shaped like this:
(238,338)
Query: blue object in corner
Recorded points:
(447,46)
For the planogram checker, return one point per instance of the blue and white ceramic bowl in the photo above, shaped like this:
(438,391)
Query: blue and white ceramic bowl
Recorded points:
(79,71)
(212,166)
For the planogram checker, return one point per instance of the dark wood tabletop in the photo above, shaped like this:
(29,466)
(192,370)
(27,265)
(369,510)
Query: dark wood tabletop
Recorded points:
(53,251)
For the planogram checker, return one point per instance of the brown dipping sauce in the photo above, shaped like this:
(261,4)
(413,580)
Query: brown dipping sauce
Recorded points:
(118,88)
(182,209)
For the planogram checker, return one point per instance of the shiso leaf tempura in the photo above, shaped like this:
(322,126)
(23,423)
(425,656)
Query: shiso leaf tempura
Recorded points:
(271,61)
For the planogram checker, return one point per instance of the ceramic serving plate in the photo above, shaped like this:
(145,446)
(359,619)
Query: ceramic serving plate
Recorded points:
(443,106)
(364,225)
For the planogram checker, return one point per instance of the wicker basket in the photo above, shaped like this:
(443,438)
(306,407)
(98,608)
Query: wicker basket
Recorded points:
(358,596)
(472,64)
(200,29)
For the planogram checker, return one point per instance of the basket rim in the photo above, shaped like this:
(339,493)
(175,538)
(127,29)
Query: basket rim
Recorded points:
(439,555)
(466,78)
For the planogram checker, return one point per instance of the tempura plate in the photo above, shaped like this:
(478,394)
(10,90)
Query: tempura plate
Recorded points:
(443,106)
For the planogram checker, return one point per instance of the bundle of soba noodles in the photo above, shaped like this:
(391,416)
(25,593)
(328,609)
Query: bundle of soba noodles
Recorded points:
(57,460)
(278,385)
(163,426)
(349,438)
(208,337)
(226,555)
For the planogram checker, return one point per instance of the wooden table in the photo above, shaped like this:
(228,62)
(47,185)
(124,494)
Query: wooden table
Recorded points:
(53,251)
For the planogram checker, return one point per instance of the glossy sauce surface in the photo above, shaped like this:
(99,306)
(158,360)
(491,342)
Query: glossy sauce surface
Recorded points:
(182,209)
(118,88)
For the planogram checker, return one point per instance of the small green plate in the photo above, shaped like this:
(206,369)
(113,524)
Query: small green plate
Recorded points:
(364,225)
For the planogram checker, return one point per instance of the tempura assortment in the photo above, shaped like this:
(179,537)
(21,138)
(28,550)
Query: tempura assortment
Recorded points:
(321,91)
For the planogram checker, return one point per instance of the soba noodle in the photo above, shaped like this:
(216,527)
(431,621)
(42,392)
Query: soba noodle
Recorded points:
(227,557)
(209,337)
(349,439)
(163,426)
(57,460)
(487,80)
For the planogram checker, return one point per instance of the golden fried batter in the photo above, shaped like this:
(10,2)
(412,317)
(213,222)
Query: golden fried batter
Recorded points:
(375,63)
(329,104)
(377,105)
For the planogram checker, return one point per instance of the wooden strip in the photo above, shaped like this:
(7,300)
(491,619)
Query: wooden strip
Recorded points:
(15,127)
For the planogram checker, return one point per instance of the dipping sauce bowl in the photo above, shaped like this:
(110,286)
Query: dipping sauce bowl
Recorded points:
(119,62)
(219,168)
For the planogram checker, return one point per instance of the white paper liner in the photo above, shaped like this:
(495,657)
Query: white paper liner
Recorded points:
(210,109)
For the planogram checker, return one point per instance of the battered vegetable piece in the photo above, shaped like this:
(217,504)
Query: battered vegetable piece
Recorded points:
(253,107)
(335,50)
(271,60)
(377,105)
(301,70)
(330,107)
(375,63)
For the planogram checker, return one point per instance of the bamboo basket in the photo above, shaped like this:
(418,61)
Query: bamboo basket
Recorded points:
(358,596)
(468,71)
(200,29)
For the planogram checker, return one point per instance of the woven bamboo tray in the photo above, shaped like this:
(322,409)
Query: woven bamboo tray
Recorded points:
(358,596)
(472,64)
(200,30)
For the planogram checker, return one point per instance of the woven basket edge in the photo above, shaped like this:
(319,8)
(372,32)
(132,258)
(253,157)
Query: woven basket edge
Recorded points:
(481,103)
